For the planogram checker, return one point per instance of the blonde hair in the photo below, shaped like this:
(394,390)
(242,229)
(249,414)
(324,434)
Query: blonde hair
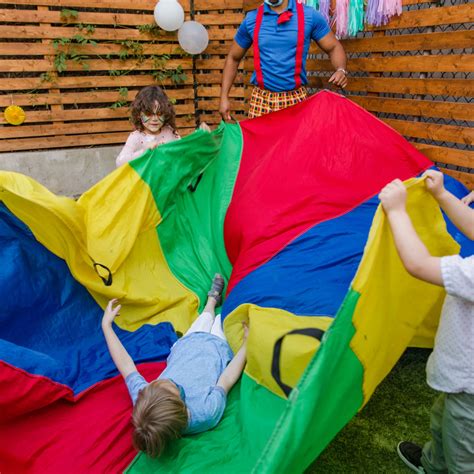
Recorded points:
(159,416)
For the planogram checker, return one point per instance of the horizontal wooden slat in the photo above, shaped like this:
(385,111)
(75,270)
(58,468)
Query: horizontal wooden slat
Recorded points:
(85,82)
(97,18)
(204,91)
(414,42)
(41,49)
(449,87)
(30,65)
(466,178)
(130,33)
(216,78)
(94,18)
(67,141)
(75,128)
(418,63)
(430,17)
(449,156)
(126,5)
(431,131)
(92,97)
(116,4)
(213,105)
(424,108)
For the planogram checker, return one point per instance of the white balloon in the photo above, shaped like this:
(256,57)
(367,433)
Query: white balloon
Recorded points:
(169,15)
(193,37)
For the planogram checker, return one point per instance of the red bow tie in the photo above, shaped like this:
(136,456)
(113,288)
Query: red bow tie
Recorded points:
(284,17)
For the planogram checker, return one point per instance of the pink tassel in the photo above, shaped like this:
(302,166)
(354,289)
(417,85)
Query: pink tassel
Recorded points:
(342,18)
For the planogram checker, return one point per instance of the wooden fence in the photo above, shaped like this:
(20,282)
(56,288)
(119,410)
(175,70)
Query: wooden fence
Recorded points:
(415,73)
(74,65)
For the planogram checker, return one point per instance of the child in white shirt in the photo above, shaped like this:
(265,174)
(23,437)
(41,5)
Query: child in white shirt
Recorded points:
(450,368)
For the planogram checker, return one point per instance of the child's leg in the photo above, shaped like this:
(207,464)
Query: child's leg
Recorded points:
(217,328)
(458,432)
(433,452)
(204,321)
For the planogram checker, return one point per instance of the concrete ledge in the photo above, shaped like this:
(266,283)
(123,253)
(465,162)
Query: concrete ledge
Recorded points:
(64,172)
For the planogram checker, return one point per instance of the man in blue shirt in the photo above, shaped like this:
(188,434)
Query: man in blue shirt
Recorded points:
(281,33)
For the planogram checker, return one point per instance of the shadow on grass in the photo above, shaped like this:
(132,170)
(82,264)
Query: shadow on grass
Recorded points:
(398,410)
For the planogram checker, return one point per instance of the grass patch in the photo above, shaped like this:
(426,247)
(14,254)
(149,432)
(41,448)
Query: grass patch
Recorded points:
(398,410)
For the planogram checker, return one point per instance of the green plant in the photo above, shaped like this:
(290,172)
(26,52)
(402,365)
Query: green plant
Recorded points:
(69,51)
(123,100)
(131,49)
(67,15)
(90,29)
(117,73)
(47,77)
(151,29)
(161,72)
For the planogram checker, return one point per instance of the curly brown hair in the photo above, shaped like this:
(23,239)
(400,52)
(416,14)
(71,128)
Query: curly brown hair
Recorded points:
(159,417)
(145,103)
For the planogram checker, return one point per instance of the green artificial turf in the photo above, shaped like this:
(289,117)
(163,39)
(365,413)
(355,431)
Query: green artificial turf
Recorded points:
(398,410)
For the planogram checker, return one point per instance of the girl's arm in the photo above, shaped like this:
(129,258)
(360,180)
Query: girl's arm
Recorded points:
(119,354)
(234,370)
(412,251)
(131,150)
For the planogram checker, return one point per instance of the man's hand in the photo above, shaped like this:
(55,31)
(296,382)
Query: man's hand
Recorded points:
(110,313)
(468,199)
(338,79)
(434,182)
(393,196)
(224,109)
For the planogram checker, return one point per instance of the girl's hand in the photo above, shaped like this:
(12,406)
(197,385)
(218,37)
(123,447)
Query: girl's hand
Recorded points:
(152,145)
(245,327)
(110,312)
(434,182)
(468,199)
(393,196)
(204,126)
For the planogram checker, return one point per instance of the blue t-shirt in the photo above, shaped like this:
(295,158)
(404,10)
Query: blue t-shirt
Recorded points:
(277,44)
(195,363)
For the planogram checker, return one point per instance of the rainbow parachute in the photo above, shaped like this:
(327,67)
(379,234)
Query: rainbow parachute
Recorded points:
(283,206)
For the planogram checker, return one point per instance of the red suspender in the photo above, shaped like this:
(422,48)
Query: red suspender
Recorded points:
(256,50)
(299,46)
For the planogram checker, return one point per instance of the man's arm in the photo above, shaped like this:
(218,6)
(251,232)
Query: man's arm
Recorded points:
(234,370)
(412,251)
(231,65)
(461,215)
(330,45)
(120,356)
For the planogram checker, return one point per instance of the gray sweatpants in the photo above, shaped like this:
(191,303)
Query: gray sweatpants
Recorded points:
(451,449)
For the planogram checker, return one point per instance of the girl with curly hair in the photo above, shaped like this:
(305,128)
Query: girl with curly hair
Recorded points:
(153,117)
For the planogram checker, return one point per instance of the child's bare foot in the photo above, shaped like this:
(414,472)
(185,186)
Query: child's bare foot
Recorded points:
(216,288)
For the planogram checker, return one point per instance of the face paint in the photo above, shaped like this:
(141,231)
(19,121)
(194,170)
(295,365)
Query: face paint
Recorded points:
(146,118)
(153,123)
(273,3)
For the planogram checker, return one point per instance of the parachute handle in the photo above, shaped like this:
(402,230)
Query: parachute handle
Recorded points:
(311,332)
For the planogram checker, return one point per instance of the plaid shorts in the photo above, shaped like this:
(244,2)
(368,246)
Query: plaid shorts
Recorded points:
(263,101)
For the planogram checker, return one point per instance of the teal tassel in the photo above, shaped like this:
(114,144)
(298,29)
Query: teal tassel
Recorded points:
(356,17)
(313,3)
